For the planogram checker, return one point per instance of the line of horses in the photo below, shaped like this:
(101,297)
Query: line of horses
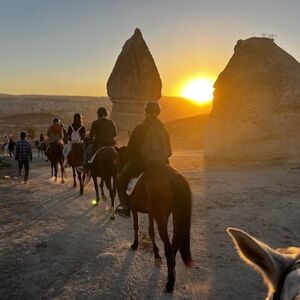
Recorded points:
(163,191)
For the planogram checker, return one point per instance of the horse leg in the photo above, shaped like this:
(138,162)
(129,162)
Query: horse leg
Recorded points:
(135,216)
(102,190)
(163,232)
(111,195)
(62,169)
(81,181)
(55,171)
(96,188)
(152,236)
(74,177)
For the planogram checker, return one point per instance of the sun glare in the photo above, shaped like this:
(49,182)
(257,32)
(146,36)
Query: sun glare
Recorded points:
(198,90)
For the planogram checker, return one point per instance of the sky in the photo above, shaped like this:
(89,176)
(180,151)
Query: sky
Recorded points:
(69,47)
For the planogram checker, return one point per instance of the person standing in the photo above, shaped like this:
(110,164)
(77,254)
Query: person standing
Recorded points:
(23,155)
(11,147)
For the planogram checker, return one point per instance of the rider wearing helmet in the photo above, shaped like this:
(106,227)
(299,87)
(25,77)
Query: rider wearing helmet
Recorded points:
(55,133)
(103,133)
(137,163)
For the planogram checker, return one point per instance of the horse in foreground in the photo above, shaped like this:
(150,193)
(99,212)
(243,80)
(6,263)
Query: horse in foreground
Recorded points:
(280,268)
(159,192)
(75,159)
(55,155)
(104,166)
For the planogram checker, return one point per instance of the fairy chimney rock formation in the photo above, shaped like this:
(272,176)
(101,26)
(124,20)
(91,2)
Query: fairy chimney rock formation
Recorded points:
(256,109)
(133,81)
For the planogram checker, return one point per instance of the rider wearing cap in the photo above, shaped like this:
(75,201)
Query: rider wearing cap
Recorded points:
(103,133)
(55,133)
(136,163)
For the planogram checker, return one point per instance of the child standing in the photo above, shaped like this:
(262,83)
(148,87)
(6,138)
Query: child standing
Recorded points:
(23,155)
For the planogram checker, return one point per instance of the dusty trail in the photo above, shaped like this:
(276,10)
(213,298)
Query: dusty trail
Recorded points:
(55,245)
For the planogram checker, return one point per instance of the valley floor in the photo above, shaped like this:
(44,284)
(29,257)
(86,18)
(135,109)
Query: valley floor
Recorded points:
(55,245)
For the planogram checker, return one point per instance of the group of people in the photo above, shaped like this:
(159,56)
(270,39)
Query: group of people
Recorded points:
(148,146)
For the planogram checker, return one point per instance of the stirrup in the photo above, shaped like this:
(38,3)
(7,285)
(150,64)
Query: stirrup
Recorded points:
(124,212)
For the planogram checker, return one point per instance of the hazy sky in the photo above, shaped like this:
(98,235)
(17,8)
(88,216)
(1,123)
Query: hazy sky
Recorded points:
(70,46)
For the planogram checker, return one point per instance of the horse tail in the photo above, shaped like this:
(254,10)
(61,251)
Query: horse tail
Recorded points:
(182,217)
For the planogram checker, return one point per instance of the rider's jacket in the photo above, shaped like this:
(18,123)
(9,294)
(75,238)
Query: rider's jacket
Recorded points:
(54,133)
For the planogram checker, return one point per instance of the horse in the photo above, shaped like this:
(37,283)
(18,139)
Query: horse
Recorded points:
(105,166)
(161,191)
(75,159)
(280,268)
(55,155)
(41,147)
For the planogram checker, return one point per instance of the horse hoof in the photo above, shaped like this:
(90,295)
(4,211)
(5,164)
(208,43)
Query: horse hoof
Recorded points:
(112,217)
(134,246)
(169,287)
(158,261)
(62,181)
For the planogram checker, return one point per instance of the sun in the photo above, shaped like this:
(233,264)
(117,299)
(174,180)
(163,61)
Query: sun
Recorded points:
(199,90)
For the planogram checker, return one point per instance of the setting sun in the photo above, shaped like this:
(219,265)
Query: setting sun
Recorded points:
(198,90)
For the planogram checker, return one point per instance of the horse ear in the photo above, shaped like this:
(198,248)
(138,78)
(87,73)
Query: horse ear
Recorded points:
(258,254)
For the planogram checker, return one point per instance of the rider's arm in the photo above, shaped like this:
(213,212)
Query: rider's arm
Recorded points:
(134,142)
(92,132)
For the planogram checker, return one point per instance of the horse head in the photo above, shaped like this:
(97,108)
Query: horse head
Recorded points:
(280,268)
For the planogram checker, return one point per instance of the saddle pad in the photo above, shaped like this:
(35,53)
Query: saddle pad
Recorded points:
(132,184)
(93,157)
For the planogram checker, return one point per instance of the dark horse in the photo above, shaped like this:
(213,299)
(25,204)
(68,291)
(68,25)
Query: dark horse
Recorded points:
(41,147)
(160,192)
(75,159)
(55,155)
(105,166)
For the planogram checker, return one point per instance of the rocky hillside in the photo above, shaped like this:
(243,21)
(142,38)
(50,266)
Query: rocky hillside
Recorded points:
(256,113)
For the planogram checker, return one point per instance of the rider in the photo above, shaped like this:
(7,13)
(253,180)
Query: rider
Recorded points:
(103,133)
(76,126)
(136,162)
(55,134)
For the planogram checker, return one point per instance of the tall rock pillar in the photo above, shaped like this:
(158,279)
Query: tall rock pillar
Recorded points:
(133,81)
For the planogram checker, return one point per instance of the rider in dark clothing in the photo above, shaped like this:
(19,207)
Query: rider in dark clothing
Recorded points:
(103,133)
(11,147)
(77,124)
(136,163)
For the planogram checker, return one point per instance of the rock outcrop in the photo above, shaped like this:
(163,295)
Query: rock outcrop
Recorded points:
(256,110)
(133,81)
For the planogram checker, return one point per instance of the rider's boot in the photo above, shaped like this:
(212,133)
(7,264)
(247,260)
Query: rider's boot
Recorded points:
(123,209)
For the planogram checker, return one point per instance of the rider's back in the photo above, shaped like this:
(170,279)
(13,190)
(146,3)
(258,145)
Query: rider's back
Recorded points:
(54,132)
(150,143)
(104,131)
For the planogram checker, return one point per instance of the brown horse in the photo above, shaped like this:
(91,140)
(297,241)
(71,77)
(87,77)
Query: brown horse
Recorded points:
(55,155)
(75,159)
(105,166)
(160,192)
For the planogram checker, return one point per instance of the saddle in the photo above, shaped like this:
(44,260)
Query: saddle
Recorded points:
(132,184)
(104,152)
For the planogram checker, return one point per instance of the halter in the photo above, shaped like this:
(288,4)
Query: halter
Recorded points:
(294,266)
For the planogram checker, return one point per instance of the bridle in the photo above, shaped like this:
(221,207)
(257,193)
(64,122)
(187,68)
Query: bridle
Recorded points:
(294,266)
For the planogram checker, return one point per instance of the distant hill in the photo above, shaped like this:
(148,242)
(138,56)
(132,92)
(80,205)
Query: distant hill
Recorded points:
(173,108)
(187,133)
(17,112)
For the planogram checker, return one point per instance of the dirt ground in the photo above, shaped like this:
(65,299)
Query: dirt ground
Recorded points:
(55,245)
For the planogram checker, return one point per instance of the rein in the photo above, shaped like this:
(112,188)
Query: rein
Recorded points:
(294,266)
